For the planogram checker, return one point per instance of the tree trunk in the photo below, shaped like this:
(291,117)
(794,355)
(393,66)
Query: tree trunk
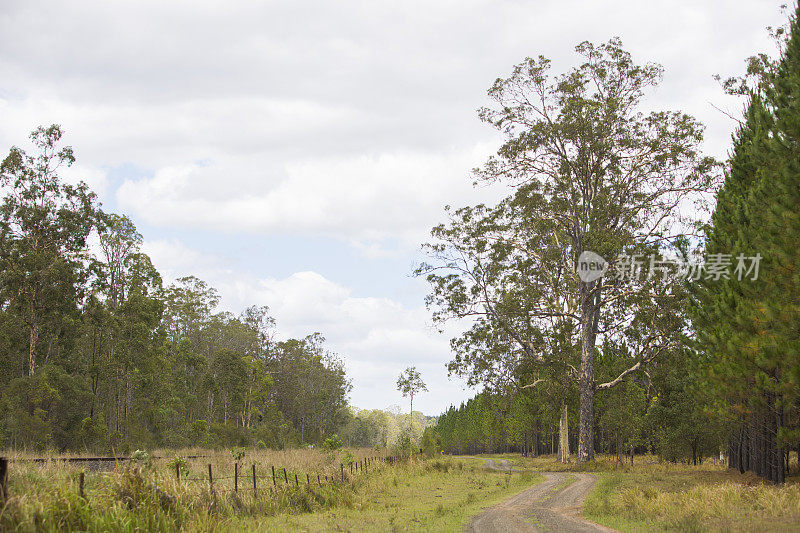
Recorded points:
(563,436)
(411,432)
(586,426)
(34,338)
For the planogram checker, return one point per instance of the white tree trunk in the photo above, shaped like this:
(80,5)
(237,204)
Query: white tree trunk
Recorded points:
(411,431)
(563,435)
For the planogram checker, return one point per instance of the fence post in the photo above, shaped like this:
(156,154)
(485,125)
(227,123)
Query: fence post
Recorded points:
(178,471)
(236,476)
(210,478)
(255,491)
(80,484)
(308,479)
(3,479)
(319,481)
(274,481)
(341,467)
(296,481)
(285,476)
(351,469)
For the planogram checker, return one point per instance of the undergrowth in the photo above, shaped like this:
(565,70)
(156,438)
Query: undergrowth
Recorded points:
(141,497)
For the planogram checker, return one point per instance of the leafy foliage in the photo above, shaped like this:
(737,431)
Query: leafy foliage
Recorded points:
(98,354)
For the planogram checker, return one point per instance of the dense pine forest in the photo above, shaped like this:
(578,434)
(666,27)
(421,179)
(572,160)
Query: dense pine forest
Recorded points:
(685,347)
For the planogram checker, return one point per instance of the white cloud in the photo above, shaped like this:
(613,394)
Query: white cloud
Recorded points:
(362,200)
(377,337)
(173,260)
(347,120)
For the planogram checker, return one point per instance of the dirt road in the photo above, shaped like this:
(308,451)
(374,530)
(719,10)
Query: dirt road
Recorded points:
(553,505)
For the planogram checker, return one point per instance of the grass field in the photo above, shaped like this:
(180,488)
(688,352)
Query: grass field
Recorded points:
(653,496)
(434,495)
(147,495)
(439,494)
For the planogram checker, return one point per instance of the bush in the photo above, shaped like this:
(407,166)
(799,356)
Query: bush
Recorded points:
(237,454)
(333,442)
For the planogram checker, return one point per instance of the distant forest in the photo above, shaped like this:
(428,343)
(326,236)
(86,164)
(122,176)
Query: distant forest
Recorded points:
(99,354)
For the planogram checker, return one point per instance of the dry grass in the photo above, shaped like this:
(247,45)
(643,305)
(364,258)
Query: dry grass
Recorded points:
(649,495)
(608,463)
(440,494)
(148,496)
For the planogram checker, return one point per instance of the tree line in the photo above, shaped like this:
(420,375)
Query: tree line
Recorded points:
(98,353)
(628,286)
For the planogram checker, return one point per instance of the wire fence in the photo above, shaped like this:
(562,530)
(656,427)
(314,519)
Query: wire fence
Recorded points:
(246,478)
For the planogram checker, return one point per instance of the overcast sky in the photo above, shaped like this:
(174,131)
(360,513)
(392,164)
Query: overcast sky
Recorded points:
(296,154)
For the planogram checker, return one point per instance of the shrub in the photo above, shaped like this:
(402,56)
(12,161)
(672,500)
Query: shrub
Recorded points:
(333,442)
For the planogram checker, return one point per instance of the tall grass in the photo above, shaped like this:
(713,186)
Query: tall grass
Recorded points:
(147,495)
(693,501)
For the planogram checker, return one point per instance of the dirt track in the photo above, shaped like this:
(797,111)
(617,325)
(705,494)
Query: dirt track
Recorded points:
(553,505)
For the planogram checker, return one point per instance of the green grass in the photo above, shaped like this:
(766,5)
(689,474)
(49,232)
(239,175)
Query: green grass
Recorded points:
(438,495)
(45,496)
(435,495)
(649,495)
(692,501)
(652,496)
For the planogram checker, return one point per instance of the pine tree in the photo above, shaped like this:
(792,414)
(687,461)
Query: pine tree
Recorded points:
(747,326)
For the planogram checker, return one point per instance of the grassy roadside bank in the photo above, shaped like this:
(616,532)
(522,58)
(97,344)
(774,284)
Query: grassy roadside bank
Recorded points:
(439,494)
(692,501)
(652,496)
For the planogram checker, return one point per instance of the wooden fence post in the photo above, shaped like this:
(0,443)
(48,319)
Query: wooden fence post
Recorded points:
(341,467)
(285,476)
(351,469)
(296,481)
(319,481)
(255,491)
(274,481)
(3,479)
(80,484)
(178,471)
(308,479)
(236,476)
(210,478)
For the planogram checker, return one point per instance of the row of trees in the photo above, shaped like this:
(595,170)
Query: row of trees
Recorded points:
(98,354)
(599,290)
(384,428)
(654,413)
(747,331)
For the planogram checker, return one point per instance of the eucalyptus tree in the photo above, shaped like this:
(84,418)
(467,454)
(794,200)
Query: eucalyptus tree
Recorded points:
(119,241)
(44,224)
(589,171)
(410,383)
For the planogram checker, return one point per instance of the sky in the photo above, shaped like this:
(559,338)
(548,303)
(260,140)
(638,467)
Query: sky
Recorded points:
(296,154)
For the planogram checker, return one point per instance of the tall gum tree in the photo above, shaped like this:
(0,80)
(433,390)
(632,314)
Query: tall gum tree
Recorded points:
(44,224)
(588,170)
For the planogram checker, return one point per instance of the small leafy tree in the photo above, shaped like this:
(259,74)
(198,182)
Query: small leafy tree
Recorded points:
(409,383)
